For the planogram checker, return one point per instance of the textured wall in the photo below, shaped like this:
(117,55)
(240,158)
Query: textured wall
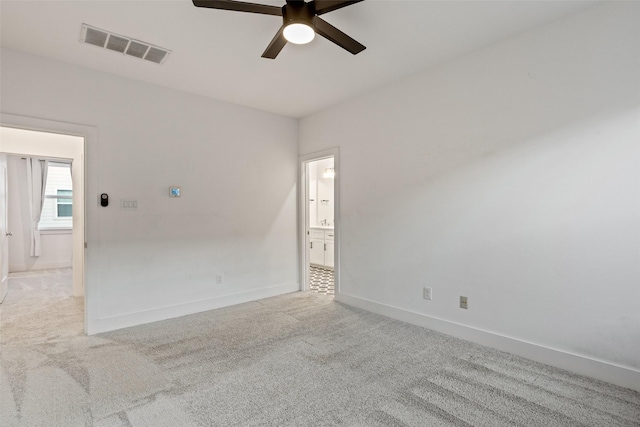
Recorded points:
(237,214)
(509,176)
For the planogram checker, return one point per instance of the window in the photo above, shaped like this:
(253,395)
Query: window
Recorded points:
(58,198)
(64,203)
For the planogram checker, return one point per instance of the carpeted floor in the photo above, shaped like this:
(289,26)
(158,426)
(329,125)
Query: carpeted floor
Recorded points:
(296,360)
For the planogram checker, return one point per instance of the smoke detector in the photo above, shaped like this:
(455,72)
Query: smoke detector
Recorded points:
(124,45)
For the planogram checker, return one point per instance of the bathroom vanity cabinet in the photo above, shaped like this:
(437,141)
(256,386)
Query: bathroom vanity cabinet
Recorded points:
(321,247)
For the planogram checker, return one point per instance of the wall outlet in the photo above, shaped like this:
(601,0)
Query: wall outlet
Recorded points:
(463,302)
(426,293)
(219,279)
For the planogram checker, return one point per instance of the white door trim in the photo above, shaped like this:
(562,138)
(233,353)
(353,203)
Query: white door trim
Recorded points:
(88,183)
(303,216)
(4,228)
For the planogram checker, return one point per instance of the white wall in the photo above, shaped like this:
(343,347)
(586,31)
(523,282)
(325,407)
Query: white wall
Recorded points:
(325,196)
(161,260)
(312,174)
(320,188)
(510,176)
(57,246)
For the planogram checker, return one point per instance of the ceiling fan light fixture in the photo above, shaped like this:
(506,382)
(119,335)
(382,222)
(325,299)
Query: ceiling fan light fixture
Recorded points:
(298,33)
(300,21)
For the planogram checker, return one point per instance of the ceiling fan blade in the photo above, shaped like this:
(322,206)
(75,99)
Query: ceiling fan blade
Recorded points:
(333,34)
(324,6)
(276,45)
(239,6)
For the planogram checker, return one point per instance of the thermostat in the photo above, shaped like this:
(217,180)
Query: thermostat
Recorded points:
(174,191)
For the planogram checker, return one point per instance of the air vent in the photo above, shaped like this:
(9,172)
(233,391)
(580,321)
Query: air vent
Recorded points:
(122,44)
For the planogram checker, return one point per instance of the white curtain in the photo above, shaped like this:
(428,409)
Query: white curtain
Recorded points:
(36,182)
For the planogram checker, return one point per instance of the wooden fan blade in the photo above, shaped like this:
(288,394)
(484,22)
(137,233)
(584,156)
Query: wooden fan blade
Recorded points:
(239,6)
(276,45)
(333,34)
(324,6)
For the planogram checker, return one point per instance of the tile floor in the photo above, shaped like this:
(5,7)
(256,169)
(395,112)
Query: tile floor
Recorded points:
(321,280)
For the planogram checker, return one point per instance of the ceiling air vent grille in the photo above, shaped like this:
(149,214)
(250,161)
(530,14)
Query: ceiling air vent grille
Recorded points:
(125,45)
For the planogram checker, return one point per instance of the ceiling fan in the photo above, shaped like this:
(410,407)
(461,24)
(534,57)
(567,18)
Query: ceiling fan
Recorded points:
(301,21)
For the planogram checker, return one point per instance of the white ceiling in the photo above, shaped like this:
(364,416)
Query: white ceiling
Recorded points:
(216,53)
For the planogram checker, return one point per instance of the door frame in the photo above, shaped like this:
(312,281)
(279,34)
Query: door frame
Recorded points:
(303,215)
(88,185)
(4,228)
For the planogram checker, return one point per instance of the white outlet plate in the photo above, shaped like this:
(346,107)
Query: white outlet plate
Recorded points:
(427,293)
(219,279)
(464,302)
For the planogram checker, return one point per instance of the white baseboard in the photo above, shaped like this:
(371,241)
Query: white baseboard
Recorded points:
(106,324)
(619,375)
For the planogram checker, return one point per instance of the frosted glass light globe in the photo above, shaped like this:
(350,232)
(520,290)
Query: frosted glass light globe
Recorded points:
(299,33)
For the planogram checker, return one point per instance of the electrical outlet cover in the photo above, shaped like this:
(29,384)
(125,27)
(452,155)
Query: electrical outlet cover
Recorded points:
(463,302)
(426,293)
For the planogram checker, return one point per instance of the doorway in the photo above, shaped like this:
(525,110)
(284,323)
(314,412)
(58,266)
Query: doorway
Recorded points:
(4,229)
(85,160)
(319,223)
(62,208)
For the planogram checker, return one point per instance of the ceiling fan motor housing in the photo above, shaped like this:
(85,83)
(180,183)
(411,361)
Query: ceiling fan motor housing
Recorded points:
(298,12)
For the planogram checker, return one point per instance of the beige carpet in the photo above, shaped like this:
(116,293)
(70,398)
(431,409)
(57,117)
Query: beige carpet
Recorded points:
(296,360)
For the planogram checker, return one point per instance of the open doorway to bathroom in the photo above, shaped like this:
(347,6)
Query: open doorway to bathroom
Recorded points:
(320,224)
